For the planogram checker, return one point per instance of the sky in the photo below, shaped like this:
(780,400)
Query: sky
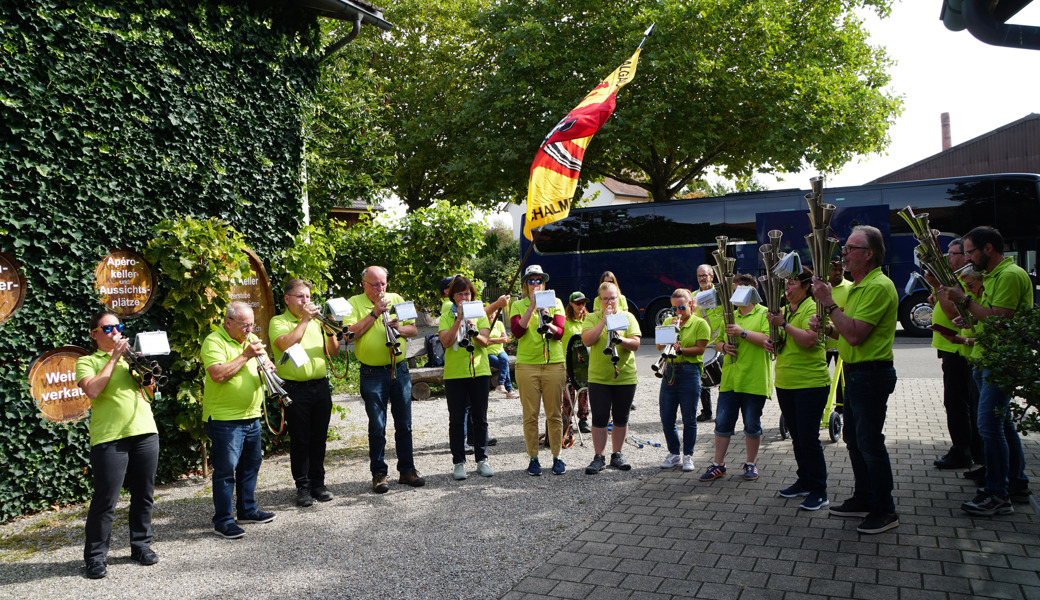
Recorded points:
(937,70)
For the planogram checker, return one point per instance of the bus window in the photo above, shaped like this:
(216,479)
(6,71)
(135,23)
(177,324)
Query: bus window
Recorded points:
(560,236)
(623,228)
(1018,209)
(952,208)
(685,223)
(742,214)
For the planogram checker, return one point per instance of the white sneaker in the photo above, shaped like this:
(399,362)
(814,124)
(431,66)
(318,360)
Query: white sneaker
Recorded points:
(513,394)
(460,471)
(501,389)
(672,460)
(484,468)
(687,462)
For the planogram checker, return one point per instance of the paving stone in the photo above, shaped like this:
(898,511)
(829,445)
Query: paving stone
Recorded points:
(570,589)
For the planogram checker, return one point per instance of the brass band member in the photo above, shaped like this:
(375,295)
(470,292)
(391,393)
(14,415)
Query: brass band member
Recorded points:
(575,317)
(705,281)
(681,384)
(124,446)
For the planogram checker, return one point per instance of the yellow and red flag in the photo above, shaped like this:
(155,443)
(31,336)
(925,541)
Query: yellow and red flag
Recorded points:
(556,166)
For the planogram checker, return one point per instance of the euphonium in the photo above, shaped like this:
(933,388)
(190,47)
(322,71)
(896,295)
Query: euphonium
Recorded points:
(931,257)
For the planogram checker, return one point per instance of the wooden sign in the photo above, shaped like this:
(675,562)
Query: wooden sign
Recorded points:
(12,286)
(255,291)
(126,283)
(52,382)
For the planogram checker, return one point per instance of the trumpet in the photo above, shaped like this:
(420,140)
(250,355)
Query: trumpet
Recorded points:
(464,339)
(146,372)
(392,334)
(821,246)
(332,327)
(772,285)
(544,320)
(723,268)
(669,350)
(613,339)
(931,258)
(270,380)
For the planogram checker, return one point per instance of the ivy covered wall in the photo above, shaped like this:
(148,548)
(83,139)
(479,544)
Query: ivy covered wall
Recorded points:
(116,114)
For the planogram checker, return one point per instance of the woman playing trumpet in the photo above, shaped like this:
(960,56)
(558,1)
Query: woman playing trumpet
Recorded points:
(802,384)
(124,445)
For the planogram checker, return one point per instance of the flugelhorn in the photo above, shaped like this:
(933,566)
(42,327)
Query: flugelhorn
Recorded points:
(772,285)
(723,268)
(821,245)
(931,257)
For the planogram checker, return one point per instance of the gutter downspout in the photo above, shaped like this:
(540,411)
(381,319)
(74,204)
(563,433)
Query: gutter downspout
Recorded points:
(988,29)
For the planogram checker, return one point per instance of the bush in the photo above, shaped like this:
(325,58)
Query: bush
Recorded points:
(1012,357)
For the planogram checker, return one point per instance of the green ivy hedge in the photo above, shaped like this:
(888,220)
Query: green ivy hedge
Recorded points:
(115,115)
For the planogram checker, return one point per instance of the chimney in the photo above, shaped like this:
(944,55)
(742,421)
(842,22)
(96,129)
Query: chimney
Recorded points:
(945,118)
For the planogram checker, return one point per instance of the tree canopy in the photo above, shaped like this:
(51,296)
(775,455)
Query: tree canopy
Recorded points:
(743,87)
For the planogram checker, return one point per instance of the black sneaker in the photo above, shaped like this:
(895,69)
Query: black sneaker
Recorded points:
(978,475)
(878,523)
(987,505)
(953,460)
(851,508)
(257,517)
(303,497)
(1020,496)
(229,531)
(617,460)
(146,557)
(597,464)
(583,426)
(96,569)
(704,417)
(322,494)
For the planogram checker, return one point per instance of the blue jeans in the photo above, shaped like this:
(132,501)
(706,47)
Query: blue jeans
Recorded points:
(378,389)
(866,404)
(749,406)
(680,390)
(803,413)
(236,457)
(500,361)
(1005,462)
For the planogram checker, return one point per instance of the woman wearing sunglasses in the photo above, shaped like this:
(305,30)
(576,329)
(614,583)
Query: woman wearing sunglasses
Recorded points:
(573,321)
(540,372)
(124,444)
(681,384)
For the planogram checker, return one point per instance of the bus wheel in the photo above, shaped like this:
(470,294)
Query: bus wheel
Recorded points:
(656,313)
(915,314)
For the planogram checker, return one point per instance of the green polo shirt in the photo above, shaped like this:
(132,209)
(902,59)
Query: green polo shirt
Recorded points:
(601,369)
(531,347)
(692,331)
(571,328)
(237,398)
(622,303)
(313,343)
(457,361)
(1007,286)
(714,319)
(798,367)
(120,411)
(938,341)
(752,373)
(370,348)
(840,294)
(497,330)
(873,300)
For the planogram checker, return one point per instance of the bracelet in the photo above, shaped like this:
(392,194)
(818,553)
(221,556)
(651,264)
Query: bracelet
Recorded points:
(831,309)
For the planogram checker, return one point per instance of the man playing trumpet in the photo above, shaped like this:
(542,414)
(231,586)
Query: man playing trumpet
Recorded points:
(308,385)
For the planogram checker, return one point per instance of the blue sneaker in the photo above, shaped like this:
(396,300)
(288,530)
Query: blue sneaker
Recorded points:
(257,517)
(794,491)
(714,472)
(814,501)
(229,531)
(534,468)
(559,468)
(750,472)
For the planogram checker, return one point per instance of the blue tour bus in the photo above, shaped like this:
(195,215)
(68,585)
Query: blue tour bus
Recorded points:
(654,248)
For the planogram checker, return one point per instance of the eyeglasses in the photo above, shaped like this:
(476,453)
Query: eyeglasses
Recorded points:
(534,280)
(952,253)
(970,252)
(847,248)
(242,325)
(108,328)
(375,285)
(300,296)
(608,298)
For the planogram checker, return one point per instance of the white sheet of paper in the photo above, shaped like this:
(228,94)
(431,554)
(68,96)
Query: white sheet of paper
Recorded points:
(338,308)
(297,355)
(706,299)
(617,322)
(473,309)
(745,295)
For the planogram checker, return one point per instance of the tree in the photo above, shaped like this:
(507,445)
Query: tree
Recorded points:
(740,86)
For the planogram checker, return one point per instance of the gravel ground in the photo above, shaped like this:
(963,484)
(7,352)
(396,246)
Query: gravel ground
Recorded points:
(450,539)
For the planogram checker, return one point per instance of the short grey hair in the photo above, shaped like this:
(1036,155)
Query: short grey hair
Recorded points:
(236,309)
(875,241)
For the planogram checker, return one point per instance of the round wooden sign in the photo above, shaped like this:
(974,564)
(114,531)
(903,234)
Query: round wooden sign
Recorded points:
(126,283)
(52,382)
(255,291)
(12,286)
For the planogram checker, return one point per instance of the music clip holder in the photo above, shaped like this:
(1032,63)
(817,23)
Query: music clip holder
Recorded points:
(152,343)
(617,322)
(745,295)
(664,335)
(297,354)
(338,308)
(545,300)
(405,311)
(706,299)
(473,309)
(790,264)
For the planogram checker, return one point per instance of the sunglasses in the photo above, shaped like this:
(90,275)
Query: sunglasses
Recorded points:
(534,280)
(681,307)
(108,328)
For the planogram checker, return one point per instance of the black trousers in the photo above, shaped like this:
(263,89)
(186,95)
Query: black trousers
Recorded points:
(961,399)
(133,460)
(467,395)
(307,420)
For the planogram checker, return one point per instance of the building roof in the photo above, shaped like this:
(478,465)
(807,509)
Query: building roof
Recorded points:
(624,189)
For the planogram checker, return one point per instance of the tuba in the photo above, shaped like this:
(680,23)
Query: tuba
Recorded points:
(723,268)
(931,257)
(821,245)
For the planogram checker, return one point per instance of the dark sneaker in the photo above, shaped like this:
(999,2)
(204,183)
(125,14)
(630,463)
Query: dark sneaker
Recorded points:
(987,505)
(146,557)
(230,531)
(617,460)
(534,468)
(379,483)
(257,517)
(851,508)
(953,460)
(303,497)
(714,472)
(559,468)
(96,569)
(878,523)
(1020,496)
(322,494)
(750,472)
(793,491)
(583,426)
(977,475)
(492,441)
(412,478)
(704,417)
(597,464)
(814,501)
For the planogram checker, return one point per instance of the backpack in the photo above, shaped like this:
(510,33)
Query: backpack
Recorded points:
(434,351)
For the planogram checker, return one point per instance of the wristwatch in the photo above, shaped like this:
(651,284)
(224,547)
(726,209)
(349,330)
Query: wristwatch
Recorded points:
(743,334)
(831,309)
(373,315)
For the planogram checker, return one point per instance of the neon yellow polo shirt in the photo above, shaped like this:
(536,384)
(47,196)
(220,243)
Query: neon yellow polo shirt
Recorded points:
(692,331)
(530,347)
(752,373)
(571,328)
(370,348)
(313,343)
(873,300)
(938,341)
(601,369)
(840,294)
(497,330)
(456,361)
(1007,286)
(119,411)
(237,398)
(798,367)
(622,303)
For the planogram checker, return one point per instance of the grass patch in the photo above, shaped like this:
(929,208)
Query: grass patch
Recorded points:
(44,534)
